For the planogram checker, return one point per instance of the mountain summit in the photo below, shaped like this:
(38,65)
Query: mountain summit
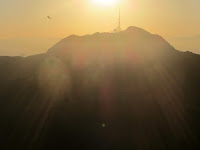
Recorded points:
(131,45)
(125,90)
(133,38)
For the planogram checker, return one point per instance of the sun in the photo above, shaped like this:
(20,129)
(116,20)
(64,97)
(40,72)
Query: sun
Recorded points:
(105,2)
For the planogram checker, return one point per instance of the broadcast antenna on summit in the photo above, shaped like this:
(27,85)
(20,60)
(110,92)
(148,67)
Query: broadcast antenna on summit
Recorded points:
(118,29)
(119,23)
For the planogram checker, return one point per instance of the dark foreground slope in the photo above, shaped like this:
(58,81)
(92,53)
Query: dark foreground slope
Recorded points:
(144,91)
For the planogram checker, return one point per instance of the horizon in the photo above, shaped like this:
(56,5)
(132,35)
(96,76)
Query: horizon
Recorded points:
(33,46)
(26,26)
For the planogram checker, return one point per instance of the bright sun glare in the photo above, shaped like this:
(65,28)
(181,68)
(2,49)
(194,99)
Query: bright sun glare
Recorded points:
(105,2)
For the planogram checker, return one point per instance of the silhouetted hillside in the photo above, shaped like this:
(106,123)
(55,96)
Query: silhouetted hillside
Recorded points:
(106,91)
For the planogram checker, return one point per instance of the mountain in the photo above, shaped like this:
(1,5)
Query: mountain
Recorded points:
(126,90)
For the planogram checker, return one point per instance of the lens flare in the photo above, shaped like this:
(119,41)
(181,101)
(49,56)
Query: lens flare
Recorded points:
(105,2)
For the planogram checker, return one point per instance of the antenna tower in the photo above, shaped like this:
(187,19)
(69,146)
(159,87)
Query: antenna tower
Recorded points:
(118,29)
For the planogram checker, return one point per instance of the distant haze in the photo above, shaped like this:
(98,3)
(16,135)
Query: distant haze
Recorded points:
(25,46)
(188,43)
(31,46)
(27,20)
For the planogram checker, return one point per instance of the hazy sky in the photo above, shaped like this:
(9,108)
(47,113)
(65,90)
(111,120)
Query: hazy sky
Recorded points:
(27,19)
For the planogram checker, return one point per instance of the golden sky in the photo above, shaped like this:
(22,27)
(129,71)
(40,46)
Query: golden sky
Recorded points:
(28,18)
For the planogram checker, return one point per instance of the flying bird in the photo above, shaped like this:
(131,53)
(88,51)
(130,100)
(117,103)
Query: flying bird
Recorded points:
(49,17)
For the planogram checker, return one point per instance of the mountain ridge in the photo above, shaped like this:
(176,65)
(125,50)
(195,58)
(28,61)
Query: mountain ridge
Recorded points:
(142,90)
